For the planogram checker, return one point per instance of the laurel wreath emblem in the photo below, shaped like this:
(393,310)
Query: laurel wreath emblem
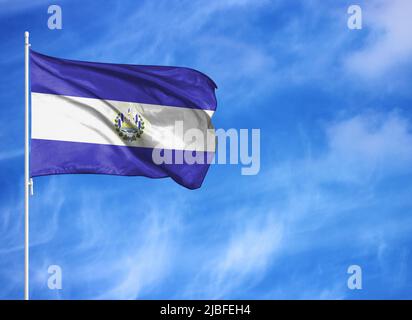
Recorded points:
(128,129)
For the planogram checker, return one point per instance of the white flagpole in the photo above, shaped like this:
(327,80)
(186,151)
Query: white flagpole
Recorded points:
(27,180)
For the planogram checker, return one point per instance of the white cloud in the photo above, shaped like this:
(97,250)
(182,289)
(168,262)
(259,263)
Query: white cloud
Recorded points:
(11,154)
(242,258)
(12,215)
(390,43)
(17,6)
(358,150)
(122,250)
(370,140)
(249,247)
(145,261)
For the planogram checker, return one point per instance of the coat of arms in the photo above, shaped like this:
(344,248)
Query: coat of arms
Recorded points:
(129,126)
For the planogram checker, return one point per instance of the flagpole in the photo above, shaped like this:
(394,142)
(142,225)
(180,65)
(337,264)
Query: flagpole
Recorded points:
(27,180)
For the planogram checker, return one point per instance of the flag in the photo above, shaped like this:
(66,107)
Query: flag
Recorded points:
(103,118)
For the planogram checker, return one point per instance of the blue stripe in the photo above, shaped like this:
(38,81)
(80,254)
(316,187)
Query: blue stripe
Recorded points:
(169,86)
(60,157)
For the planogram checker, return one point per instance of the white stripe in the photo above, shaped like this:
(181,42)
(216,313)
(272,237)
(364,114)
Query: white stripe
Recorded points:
(76,119)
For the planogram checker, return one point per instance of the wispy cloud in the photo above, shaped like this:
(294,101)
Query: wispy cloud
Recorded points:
(103,257)
(19,6)
(328,198)
(148,258)
(11,154)
(390,44)
(241,258)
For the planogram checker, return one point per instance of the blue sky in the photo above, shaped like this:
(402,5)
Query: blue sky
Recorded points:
(333,106)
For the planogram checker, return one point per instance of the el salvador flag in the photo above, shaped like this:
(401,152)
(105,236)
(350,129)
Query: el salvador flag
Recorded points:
(104,118)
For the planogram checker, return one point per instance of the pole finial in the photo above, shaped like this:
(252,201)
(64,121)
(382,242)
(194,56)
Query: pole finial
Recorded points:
(26,37)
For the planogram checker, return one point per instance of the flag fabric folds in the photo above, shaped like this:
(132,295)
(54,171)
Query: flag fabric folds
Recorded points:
(104,118)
